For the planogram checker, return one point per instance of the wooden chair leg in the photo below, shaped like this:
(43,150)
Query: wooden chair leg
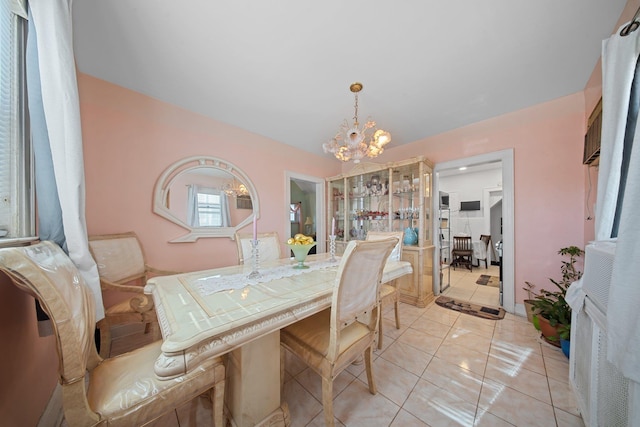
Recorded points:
(397,309)
(105,339)
(327,401)
(380,335)
(368,357)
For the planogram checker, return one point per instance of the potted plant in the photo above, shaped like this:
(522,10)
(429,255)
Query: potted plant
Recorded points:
(550,306)
(528,303)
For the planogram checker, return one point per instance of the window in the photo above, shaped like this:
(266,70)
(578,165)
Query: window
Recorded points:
(209,210)
(16,194)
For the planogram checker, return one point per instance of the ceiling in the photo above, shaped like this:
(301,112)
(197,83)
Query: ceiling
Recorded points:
(282,69)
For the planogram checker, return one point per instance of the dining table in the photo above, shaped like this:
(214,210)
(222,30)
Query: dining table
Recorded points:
(229,311)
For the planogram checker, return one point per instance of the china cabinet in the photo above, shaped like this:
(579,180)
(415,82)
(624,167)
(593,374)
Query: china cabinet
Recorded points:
(394,196)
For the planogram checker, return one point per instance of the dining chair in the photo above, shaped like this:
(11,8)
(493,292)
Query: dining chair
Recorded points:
(389,291)
(462,252)
(124,271)
(486,240)
(120,391)
(269,246)
(329,341)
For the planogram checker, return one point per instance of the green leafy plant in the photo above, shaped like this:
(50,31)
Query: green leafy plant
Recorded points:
(564,331)
(552,304)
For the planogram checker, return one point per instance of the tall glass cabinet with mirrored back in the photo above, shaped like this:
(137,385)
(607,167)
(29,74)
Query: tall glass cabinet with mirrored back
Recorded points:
(394,196)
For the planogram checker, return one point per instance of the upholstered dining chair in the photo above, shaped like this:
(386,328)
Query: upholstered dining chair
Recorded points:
(389,291)
(123,269)
(120,391)
(269,246)
(329,341)
(462,252)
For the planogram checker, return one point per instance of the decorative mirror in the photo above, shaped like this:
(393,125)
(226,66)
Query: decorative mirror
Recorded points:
(207,196)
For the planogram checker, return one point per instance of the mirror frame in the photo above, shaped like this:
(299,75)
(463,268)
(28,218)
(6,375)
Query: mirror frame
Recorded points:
(161,193)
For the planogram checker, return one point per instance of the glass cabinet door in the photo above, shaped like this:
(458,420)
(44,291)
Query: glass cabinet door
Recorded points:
(336,208)
(409,187)
(368,204)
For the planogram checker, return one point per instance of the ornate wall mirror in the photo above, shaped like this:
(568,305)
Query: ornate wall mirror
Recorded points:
(207,196)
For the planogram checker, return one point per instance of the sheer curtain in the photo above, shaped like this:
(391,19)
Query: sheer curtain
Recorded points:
(619,197)
(57,133)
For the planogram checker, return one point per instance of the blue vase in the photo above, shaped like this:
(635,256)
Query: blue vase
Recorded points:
(410,236)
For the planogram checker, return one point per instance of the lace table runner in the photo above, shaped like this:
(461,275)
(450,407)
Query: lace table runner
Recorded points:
(212,284)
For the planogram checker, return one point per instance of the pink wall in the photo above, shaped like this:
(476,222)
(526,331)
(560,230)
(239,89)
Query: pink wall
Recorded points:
(130,139)
(548,178)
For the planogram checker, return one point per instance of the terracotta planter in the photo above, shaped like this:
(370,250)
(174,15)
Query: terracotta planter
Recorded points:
(549,333)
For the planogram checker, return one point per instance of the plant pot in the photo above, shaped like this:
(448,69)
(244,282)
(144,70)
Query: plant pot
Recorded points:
(565,345)
(528,306)
(549,333)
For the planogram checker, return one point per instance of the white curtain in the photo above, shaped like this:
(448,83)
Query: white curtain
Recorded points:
(619,60)
(52,20)
(224,210)
(193,219)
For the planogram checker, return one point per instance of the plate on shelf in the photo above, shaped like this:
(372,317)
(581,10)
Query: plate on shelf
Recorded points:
(383,205)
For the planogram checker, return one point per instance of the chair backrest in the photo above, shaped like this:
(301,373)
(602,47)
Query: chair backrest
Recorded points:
(462,243)
(269,246)
(119,257)
(47,273)
(358,280)
(486,239)
(396,254)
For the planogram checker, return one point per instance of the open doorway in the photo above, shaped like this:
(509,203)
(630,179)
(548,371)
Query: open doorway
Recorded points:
(490,211)
(304,209)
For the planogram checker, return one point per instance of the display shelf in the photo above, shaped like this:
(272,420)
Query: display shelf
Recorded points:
(444,229)
(394,196)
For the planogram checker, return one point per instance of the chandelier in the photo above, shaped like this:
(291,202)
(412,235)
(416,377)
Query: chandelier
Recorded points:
(353,142)
(235,189)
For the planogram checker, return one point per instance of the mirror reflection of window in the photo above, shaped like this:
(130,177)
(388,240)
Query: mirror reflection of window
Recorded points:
(207,207)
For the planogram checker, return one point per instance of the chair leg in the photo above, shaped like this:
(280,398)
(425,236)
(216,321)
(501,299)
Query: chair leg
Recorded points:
(105,339)
(368,357)
(380,335)
(397,309)
(327,401)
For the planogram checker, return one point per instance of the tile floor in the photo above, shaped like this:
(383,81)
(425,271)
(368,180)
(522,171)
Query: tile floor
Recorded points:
(441,368)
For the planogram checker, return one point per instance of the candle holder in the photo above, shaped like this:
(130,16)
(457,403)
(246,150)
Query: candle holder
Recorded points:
(255,260)
(332,248)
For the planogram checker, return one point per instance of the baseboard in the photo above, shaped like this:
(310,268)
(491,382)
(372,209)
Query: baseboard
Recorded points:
(53,414)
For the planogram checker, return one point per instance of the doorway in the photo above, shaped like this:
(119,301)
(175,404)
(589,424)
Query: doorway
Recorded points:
(304,207)
(471,220)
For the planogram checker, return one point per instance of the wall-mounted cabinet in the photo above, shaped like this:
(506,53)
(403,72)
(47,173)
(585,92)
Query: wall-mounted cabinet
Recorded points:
(388,197)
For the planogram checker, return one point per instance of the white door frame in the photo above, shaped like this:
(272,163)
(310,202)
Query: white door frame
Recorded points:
(320,208)
(508,202)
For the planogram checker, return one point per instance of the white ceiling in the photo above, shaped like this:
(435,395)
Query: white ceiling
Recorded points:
(282,69)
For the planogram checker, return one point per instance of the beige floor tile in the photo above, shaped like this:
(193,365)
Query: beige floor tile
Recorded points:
(405,419)
(303,407)
(438,407)
(487,419)
(518,378)
(392,381)
(356,406)
(520,409)
(313,383)
(431,327)
(565,419)
(441,315)
(469,339)
(557,369)
(484,327)
(459,381)
(407,357)
(562,397)
(472,360)
(420,340)
(318,421)
(520,356)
